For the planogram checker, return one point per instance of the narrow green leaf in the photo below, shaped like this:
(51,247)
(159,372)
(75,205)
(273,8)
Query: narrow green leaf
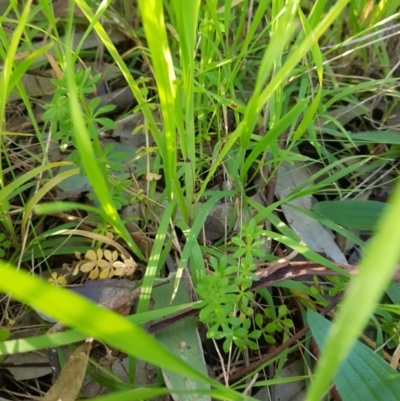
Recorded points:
(389,137)
(365,290)
(86,151)
(356,214)
(8,62)
(192,235)
(92,320)
(72,336)
(153,266)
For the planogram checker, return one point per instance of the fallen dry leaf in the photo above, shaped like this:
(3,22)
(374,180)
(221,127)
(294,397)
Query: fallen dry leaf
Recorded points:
(68,384)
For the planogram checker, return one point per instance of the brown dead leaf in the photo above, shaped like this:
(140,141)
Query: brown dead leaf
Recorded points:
(68,384)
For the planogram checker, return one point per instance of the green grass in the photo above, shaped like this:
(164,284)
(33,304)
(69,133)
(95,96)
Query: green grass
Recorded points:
(228,92)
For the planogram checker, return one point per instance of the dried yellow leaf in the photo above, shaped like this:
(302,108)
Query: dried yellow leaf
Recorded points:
(106,274)
(91,255)
(94,273)
(107,254)
(103,264)
(87,267)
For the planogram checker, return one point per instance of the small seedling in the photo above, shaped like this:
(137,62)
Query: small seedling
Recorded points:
(227,301)
(58,111)
(277,322)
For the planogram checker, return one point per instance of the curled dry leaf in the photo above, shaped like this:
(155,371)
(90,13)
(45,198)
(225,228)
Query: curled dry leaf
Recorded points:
(125,268)
(152,176)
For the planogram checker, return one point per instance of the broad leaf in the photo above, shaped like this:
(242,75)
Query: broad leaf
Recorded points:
(183,340)
(364,375)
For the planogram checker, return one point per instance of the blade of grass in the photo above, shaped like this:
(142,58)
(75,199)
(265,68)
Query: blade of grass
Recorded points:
(156,35)
(153,265)
(166,144)
(86,152)
(42,192)
(94,321)
(149,393)
(57,207)
(296,56)
(44,341)
(317,55)
(186,17)
(5,78)
(254,26)
(243,132)
(192,235)
(22,68)
(17,184)
(289,118)
(8,64)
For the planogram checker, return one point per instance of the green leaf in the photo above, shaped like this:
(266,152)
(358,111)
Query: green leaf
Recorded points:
(282,310)
(246,324)
(72,336)
(389,137)
(231,270)
(84,144)
(105,109)
(4,334)
(106,123)
(76,184)
(183,340)
(214,333)
(234,321)
(356,214)
(93,104)
(226,345)
(269,339)
(270,327)
(255,334)
(269,313)
(105,325)
(363,375)
(393,292)
(241,332)
(259,320)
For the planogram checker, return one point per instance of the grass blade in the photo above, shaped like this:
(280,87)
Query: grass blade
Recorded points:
(364,292)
